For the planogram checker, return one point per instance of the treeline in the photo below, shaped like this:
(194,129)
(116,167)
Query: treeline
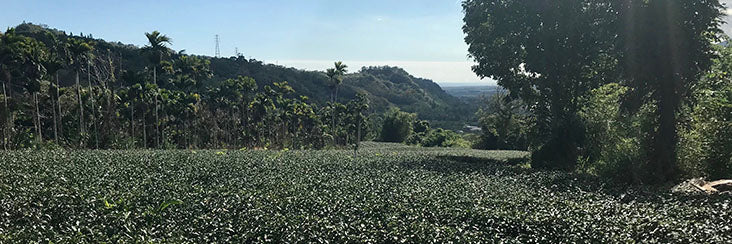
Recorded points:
(635,90)
(403,127)
(63,90)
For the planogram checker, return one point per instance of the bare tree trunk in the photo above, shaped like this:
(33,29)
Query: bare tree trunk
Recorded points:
(157,119)
(187,134)
(110,116)
(6,130)
(358,137)
(332,94)
(94,108)
(132,120)
(335,99)
(243,118)
(55,118)
(283,141)
(58,103)
(81,111)
(359,131)
(37,122)
(144,130)
(332,118)
(663,156)
(232,127)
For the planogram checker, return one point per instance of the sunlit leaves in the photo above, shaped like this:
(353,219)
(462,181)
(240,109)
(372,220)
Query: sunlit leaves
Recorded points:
(388,193)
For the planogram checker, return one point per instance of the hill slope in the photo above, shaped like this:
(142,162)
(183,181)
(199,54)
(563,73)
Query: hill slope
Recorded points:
(384,86)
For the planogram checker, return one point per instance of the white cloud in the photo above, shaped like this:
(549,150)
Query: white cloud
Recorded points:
(440,72)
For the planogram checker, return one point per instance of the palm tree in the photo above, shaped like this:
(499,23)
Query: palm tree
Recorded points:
(340,70)
(157,49)
(336,79)
(331,73)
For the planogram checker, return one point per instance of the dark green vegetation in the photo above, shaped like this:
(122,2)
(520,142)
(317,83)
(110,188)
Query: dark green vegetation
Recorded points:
(474,98)
(397,125)
(505,123)
(76,91)
(466,92)
(631,88)
(402,127)
(390,193)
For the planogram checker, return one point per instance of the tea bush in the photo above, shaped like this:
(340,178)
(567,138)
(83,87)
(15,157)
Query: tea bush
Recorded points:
(388,193)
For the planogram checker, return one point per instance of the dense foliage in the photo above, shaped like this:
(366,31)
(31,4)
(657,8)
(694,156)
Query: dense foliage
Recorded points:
(389,193)
(173,101)
(607,83)
(662,73)
(548,54)
(423,135)
(397,125)
(505,124)
(706,131)
(614,139)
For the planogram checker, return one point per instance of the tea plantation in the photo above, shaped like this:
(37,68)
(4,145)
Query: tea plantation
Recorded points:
(388,193)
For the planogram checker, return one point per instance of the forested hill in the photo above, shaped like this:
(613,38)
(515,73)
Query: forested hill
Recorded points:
(384,86)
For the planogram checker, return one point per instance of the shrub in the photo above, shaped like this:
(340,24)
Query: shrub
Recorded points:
(397,125)
(614,146)
(421,126)
(504,124)
(705,147)
(438,138)
(443,138)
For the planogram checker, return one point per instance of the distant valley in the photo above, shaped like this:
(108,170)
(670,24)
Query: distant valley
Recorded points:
(470,91)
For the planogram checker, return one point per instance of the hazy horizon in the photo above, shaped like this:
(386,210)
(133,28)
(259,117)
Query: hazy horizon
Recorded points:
(423,37)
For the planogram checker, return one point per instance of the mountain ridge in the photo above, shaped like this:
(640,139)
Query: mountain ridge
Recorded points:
(385,86)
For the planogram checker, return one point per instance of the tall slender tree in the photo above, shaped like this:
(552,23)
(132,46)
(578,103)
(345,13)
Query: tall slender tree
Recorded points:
(4,78)
(54,64)
(331,73)
(80,52)
(335,75)
(157,50)
(92,99)
(340,70)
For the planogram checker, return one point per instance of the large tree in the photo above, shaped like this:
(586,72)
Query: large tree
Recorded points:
(665,46)
(548,53)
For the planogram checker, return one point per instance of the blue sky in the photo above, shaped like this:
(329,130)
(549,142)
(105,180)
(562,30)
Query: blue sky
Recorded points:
(422,36)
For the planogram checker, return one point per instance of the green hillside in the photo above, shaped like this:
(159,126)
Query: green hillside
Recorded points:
(385,86)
